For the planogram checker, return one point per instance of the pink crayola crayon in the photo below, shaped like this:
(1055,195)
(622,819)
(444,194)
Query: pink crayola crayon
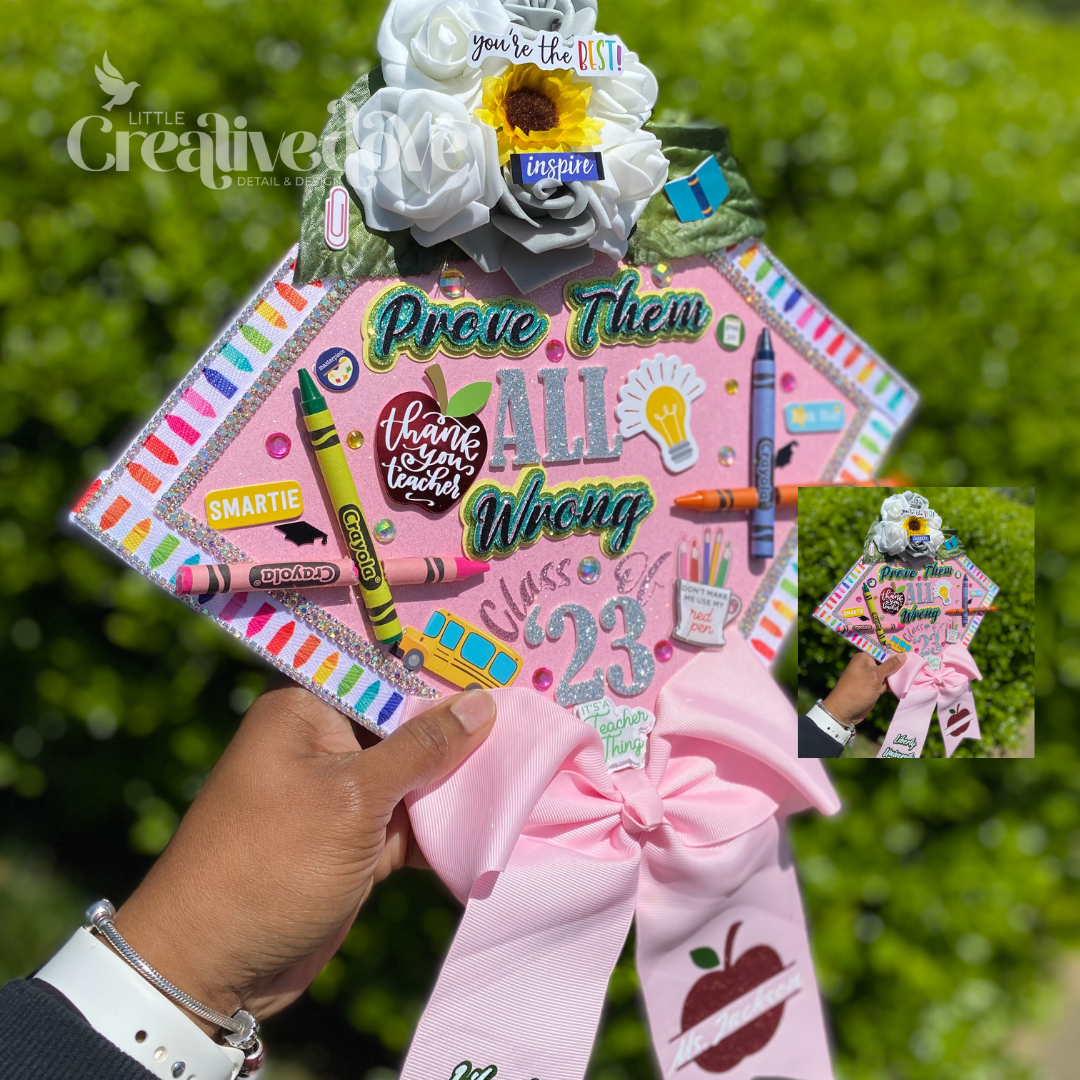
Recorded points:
(243,577)
(431,569)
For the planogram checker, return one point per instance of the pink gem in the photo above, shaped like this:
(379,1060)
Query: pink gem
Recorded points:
(542,678)
(278,445)
(554,350)
(663,650)
(787,382)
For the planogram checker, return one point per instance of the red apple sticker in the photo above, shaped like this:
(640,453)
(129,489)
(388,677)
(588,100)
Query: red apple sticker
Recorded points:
(721,987)
(890,601)
(430,450)
(955,718)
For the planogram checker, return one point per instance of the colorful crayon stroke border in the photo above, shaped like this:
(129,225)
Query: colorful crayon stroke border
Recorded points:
(854,578)
(176,448)
(886,401)
(884,406)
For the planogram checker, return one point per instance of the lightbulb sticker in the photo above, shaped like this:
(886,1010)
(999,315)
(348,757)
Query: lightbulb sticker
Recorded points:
(655,399)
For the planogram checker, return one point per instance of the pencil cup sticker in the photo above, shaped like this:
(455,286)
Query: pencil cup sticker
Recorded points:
(656,400)
(704,611)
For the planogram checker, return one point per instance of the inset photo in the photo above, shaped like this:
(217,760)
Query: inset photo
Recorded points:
(916,630)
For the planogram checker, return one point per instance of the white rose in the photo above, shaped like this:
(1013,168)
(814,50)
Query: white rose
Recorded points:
(633,161)
(627,98)
(423,165)
(890,537)
(566,17)
(635,169)
(894,508)
(935,520)
(917,502)
(937,538)
(425,43)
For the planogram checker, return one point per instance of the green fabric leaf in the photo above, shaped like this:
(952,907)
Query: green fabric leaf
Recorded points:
(659,234)
(368,254)
(469,399)
(705,958)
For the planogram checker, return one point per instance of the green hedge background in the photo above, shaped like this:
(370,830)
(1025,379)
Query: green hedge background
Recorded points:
(917,164)
(999,536)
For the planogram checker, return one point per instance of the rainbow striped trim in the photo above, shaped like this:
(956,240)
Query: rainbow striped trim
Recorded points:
(133,507)
(885,401)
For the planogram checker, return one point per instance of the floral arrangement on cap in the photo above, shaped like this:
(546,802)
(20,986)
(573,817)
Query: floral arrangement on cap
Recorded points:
(906,526)
(434,143)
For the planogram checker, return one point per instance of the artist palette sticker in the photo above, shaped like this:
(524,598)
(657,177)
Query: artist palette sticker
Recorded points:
(337,369)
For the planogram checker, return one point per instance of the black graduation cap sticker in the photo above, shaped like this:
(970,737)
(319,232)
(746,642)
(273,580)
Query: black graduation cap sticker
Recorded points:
(301,533)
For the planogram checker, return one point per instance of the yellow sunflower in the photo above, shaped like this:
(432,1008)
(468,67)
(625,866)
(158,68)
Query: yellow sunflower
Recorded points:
(532,110)
(917,526)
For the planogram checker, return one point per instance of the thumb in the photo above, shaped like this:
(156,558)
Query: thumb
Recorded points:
(430,745)
(890,666)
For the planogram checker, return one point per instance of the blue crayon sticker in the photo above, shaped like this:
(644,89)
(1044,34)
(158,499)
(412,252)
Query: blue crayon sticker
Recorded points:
(696,197)
(562,166)
(810,416)
(337,369)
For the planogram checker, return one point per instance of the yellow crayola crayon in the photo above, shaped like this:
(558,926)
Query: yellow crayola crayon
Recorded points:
(324,440)
(873,614)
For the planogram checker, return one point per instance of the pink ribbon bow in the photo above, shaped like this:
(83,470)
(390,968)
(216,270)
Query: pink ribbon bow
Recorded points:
(921,690)
(554,856)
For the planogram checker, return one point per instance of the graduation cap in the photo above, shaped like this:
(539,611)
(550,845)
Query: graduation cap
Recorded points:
(301,533)
(696,197)
(783,455)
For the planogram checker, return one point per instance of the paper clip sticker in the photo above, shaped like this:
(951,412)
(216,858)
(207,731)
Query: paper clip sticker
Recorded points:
(337,218)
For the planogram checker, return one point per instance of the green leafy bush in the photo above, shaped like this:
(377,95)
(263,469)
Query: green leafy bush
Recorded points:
(998,534)
(916,164)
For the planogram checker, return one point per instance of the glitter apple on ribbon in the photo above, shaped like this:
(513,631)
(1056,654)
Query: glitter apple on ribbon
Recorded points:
(429,450)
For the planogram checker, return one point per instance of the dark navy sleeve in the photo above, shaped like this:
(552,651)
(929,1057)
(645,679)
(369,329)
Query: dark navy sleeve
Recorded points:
(44,1037)
(813,742)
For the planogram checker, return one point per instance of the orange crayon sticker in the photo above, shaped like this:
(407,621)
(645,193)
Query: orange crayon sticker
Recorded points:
(254,504)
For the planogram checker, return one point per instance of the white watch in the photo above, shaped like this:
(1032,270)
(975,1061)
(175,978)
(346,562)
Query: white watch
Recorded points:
(123,1007)
(830,725)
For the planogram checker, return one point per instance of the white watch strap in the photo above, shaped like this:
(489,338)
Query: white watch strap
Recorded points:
(123,1007)
(829,725)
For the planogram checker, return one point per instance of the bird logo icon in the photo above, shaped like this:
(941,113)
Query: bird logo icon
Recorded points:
(112,82)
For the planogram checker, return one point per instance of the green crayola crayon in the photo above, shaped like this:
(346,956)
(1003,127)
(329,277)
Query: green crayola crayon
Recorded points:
(323,439)
(873,615)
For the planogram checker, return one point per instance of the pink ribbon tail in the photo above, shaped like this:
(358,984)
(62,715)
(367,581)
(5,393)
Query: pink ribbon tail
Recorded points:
(921,690)
(554,857)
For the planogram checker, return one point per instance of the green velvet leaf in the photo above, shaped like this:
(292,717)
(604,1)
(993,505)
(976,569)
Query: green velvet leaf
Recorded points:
(705,958)
(659,234)
(469,399)
(368,253)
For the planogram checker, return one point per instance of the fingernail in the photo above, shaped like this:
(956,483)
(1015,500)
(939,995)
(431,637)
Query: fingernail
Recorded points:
(474,709)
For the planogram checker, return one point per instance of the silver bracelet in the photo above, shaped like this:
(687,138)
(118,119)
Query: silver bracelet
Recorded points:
(849,728)
(242,1029)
